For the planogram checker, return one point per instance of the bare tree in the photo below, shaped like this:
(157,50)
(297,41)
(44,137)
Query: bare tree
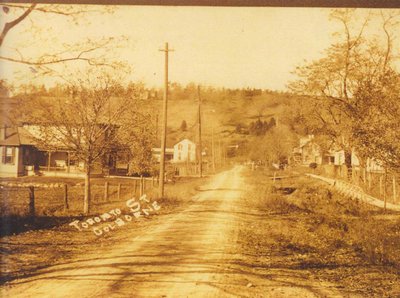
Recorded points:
(87,122)
(274,147)
(91,51)
(338,87)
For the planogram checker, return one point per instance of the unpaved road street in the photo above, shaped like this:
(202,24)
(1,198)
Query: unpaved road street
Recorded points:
(189,254)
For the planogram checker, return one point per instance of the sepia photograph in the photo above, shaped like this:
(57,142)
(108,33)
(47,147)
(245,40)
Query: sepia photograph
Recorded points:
(208,148)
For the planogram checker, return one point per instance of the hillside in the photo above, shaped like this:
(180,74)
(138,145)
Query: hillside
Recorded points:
(223,115)
(222,111)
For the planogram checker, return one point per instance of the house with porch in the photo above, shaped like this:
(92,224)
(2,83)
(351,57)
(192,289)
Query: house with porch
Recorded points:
(22,154)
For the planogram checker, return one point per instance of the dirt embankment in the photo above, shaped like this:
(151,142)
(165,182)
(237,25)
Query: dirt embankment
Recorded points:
(321,235)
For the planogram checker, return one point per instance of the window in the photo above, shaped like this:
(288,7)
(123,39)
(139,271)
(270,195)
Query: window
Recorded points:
(8,155)
(180,147)
(189,147)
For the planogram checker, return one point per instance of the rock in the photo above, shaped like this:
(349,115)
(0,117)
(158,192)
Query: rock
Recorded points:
(249,285)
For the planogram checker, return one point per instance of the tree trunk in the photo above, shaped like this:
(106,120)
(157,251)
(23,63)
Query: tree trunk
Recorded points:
(86,199)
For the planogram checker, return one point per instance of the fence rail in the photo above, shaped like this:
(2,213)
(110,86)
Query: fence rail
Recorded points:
(43,198)
(355,192)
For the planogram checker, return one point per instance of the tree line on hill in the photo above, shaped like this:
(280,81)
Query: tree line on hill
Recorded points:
(176,91)
(256,128)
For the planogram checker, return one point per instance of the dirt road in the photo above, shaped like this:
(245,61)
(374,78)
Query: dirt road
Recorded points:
(189,254)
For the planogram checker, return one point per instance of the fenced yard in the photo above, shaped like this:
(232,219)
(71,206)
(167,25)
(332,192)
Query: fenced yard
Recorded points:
(44,202)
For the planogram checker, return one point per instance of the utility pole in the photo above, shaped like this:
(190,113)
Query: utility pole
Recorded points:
(199,124)
(164,123)
(213,149)
(219,152)
(157,126)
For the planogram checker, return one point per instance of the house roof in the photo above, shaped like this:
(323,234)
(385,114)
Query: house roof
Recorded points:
(11,137)
(184,141)
(25,137)
(31,134)
(17,136)
(167,150)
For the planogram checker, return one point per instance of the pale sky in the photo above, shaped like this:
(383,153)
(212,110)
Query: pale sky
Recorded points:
(226,47)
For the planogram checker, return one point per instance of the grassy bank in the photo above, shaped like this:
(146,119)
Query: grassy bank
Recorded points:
(318,231)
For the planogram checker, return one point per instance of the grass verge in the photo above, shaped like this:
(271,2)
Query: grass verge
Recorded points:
(315,230)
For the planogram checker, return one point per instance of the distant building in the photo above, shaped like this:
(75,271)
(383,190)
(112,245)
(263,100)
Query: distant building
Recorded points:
(308,151)
(355,160)
(374,166)
(169,154)
(339,158)
(169,150)
(184,150)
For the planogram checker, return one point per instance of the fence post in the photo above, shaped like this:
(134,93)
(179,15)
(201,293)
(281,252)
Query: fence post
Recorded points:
(364,176)
(106,191)
(141,186)
(384,191)
(369,180)
(394,189)
(66,205)
(135,186)
(32,202)
(380,185)
(119,191)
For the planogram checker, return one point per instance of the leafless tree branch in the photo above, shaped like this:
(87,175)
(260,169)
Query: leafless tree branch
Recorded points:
(8,26)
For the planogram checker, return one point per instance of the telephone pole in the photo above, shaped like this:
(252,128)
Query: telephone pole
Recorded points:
(164,123)
(200,147)
(213,149)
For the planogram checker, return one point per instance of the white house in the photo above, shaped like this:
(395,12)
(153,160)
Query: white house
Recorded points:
(355,160)
(339,158)
(184,151)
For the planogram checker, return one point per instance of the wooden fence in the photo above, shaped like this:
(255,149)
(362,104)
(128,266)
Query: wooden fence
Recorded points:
(25,198)
(379,185)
